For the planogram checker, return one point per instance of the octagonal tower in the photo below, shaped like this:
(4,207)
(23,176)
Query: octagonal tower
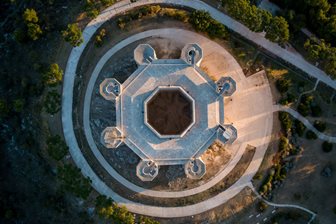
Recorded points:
(168,111)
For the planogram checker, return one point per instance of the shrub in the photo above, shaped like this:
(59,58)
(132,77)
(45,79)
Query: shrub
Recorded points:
(262,206)
(286,122)
(57,148)
(283,144)
(52,103)
(104,207)
(299,128)
(283,85)
(54,75)
(303,109)
(327,146)
(3,107)
(18,105)
(108,210)
(100,38)
(73,35)
(34,31)
(320,126)
(30,16)
(203,22)
(73,181)
(307,99)
(311,135)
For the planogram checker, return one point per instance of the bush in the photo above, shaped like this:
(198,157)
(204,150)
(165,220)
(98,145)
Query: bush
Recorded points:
(307,99)
(299,128)
(73,181)
(18,105)
(320,126)
(283,85)
(30,16)
(327,146)
(286,122)
(108,210)
(57,148)
(262,206)
(73,35)
(3,107)
(53,76)
(311,135)
(203,22)
(283,144)
(100,38)
(303,109)
(34,31)
(52,103)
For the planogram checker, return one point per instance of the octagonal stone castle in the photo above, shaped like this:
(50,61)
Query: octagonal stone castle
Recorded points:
(168,112)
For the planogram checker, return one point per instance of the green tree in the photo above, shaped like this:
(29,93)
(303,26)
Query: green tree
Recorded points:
(200,20)
(34,31)
(299,128)
(104,207)
(54,75)
(278,30)
(72,181)
(320,126)
(30,16)
(18,105)
(107,209)
(311,135)
(52,103)
(100,38)
(56,147)
(283,84)
(73,35)
(3,108)
(286,121)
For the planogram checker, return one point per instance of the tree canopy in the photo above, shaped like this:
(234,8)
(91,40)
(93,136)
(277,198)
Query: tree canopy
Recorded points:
(73,35)
(30,16)
(54,75)
(278,30)
(72,180)
(57,148)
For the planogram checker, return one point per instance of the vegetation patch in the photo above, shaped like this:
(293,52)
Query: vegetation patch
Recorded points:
(73,181)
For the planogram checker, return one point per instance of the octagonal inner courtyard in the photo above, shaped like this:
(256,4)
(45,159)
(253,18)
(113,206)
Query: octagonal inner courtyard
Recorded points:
(170,111)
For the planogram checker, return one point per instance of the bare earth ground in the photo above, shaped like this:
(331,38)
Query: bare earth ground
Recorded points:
(306,186)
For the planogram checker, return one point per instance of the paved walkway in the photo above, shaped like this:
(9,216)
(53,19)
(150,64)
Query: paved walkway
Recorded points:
(298,116)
